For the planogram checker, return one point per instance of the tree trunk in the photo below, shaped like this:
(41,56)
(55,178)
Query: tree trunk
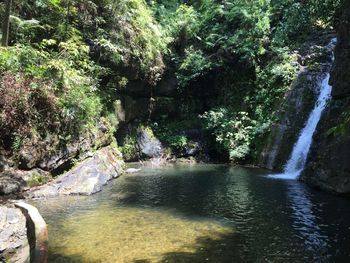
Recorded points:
(6,24)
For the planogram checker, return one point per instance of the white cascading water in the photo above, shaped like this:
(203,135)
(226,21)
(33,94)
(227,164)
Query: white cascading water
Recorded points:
(296,162)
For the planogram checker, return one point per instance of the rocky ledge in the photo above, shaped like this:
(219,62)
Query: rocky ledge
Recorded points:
(14,243)
(23,234)
(86,178)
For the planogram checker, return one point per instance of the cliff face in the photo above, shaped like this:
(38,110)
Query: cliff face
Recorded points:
(328,165)
(315,60)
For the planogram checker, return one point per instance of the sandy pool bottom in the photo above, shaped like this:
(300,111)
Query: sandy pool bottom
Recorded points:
(110,234)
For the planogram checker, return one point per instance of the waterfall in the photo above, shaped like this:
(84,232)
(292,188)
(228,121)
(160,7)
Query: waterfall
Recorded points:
(296,162)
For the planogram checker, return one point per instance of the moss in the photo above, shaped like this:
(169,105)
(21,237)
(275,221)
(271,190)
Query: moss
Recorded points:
(129,147)
(149,131)
(38,179)
(116,149)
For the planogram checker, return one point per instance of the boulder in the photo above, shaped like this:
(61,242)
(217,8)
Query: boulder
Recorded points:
(15,181)
(138,142)
(11,183)
(14,245)
(149,145)
(87,177)
(132,170)
(196,145)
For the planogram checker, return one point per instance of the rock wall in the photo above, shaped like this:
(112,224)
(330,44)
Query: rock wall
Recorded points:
(315,60)
(40,160)
(328,165)
(141,105)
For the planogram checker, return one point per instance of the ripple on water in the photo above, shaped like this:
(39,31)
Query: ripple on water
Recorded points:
(210,213)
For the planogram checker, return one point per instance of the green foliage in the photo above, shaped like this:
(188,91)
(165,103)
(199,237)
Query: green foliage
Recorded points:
(17,144)
(179,22)
(193,66)
(247,25)
(70,60)
(272,81)
(233,132)
(129,149)
(239,132)
(170,133)
(126,34)
(38,179)
(235,34)
(295,19)
(46,91)
(343,127)
(177,142)
(26,31)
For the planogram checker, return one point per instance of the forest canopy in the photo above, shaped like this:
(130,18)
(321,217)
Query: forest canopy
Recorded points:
(67,61)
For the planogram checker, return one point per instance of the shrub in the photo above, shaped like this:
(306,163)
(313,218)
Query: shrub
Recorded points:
(47,92)
(233,131)
(26,103)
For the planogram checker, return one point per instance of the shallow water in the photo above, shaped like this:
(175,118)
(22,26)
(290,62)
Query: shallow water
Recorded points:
(201,213)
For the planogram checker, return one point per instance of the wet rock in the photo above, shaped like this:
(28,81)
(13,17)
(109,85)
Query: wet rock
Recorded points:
(276,147)
(86,178)
(14,245)
(340,77)
(192,149)
(188,160)
(328,165)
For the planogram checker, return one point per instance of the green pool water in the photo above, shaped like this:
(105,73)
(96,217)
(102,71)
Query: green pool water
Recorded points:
(200,213)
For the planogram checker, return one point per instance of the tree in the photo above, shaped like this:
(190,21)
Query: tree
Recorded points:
(6,24)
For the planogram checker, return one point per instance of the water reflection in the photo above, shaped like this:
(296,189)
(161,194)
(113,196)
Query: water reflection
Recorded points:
(209,213)
(305,222)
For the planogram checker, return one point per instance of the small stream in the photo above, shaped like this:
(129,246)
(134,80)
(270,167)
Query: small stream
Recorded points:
(200,213)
